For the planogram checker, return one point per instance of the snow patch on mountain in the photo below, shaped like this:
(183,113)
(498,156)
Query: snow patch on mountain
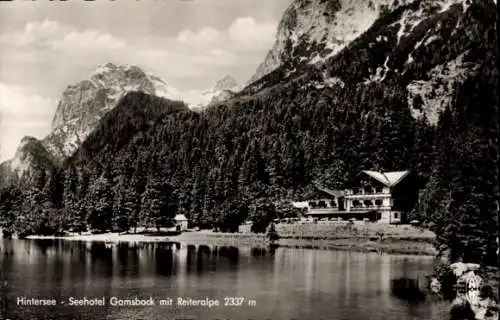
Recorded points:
(225,83)
(223,89)
(83,105)
(431,39)
(164,90)
(18,165)
(319,29)
(446,4)
(381,72)
(411,19)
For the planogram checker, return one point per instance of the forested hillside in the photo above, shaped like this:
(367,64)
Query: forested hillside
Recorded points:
(143,167)
(150,159)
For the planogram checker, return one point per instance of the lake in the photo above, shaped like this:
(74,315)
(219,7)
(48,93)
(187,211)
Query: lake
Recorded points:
(273,283)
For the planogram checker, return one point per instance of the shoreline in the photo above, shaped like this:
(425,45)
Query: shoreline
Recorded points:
(389,245)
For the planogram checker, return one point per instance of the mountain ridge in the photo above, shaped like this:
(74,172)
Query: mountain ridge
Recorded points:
(304,124)
(307,23)
(409,42)
(80,109)
(82,105)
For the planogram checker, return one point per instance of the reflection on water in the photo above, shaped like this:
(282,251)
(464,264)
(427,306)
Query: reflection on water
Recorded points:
(407,289)
(285,283)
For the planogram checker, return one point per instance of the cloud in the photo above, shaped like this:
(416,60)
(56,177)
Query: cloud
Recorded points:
(52,35)
(90,39)
(22,113)
(243,33)
(218,57)
(49,41)
(20,100)
(202,37)
(248,31)
(34,33)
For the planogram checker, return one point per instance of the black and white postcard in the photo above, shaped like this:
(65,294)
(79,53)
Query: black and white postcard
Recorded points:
(249,159)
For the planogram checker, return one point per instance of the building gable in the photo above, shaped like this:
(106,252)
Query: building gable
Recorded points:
(332,193)
(389,179)
(363,180)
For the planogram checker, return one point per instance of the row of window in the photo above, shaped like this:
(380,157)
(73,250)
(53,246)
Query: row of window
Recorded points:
(355,204)
(323,204)
(367,190)
(366,203)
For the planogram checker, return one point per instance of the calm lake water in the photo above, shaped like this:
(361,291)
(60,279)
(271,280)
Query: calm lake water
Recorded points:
(280,283)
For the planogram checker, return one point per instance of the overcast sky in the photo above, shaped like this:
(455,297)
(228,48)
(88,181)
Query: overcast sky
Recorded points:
(46,46)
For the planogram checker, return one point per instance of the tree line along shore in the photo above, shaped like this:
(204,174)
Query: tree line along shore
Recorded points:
(403,239)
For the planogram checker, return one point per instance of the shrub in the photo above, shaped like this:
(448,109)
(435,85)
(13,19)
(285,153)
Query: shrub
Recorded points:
(447,278)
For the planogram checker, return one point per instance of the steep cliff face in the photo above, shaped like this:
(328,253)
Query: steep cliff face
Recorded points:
(430,47)
(82,105)
(319,29)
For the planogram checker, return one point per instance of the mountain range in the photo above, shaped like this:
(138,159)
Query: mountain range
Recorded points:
(82,106)
(424,44)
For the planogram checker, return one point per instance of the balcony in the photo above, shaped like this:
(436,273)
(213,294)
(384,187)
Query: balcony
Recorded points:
(370,208)
(325,211)
(361,192)
(372,196)
(368,205)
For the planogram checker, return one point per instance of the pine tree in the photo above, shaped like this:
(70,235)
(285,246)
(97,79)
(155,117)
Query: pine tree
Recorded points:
(100,204)
(131,207)
(120,215)
(262,213)
(153,205)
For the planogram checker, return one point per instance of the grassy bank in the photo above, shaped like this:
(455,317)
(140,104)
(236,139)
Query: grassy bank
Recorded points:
(369,238)
(394,247)
(357,230)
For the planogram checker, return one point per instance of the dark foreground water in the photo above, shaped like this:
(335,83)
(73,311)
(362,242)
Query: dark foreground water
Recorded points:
(279,283)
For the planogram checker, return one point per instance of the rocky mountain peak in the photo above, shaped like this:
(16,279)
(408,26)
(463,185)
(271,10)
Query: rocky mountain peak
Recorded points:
(312,31)
(26,141)
(82,105)
(348,43)
(223,90)
(80,108)
(225,83)
(318,29)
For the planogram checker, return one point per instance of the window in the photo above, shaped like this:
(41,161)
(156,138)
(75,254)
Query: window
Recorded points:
(356,203)
(368,190)
(322,204)
(355,191)
(396,215)
(378,202)
(379,189)
(312,204)
(333,204)
(368,203)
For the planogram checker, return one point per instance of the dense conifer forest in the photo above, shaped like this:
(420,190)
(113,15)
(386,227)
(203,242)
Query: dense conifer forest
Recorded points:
(151,159)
